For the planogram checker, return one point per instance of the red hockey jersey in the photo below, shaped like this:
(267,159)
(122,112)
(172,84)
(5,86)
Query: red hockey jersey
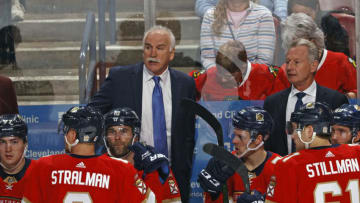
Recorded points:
(323,174)
(12,186)
(259,179)
(167,192)
(335,71)
(259,82)
(73,178)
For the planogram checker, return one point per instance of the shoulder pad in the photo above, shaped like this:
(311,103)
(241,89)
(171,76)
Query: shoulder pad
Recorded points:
(273,70)
(196,74)
(352,61)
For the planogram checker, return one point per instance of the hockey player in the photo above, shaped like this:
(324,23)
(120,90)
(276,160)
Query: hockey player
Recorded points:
(335,70)
(318,171)
(15,168)
(252,125)
(80,175)
(122,133)
(235,78)
(346,126)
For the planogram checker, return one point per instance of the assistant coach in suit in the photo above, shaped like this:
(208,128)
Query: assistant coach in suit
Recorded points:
(132,86)
(301,65)
(8,102)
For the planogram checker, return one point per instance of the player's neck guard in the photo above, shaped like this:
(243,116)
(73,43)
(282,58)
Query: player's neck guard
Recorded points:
(71,145)
(307,144)
(251,149)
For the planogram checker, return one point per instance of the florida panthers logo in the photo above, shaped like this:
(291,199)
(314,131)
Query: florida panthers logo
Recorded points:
(10,180)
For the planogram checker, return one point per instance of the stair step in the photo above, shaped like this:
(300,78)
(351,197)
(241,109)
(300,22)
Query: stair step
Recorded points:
(47,99)
(130,26)
(49,55)
(76,6)
(54,82)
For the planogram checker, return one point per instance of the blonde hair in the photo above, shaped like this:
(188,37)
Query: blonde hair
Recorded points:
(220,17)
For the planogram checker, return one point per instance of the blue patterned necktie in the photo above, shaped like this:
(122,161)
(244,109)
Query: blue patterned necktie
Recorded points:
(159,124)
(299,102)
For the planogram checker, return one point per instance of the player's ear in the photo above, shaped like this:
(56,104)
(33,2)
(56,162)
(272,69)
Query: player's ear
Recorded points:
(357,138)
(259,139)
(71,136)
(309,130)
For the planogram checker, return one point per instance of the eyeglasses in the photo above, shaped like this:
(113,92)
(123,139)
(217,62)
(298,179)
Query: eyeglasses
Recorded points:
(118,131)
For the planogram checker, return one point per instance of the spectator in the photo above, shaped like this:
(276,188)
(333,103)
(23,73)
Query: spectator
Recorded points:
(301,64)
(277,7)
(336,37)
(335,70)
(8,102)
(233,77)
(135,85)
(244,21)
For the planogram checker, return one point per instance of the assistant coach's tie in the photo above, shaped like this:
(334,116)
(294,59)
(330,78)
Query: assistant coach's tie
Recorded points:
(159,124)
(299,102)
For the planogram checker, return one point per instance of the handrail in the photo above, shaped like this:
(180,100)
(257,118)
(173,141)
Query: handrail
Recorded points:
(149,14)
(89,40)
(112,21)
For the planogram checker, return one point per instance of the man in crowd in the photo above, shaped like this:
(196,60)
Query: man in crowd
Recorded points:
(346,126)
(80,175)
(335,70)
(234,77)
(318,171)
(154,91)
(15,168)
(252,125)
(301,66)
(122,133)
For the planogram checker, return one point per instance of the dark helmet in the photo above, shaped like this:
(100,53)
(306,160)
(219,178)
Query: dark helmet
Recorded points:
(254,119)
(86,121)
(13,125)
(348,115)
(316,114)
(123,116)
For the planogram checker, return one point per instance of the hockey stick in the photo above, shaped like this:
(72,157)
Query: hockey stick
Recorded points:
(210,119)
(222,154)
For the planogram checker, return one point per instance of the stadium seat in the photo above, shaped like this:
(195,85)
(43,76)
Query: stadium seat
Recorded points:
(348,22)
(337,5)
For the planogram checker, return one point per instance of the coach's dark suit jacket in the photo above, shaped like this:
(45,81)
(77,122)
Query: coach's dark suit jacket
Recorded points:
(123,88)
(8,103)
(276,105)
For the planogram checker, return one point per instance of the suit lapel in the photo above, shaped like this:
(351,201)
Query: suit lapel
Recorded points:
(282,109)
(136,82)
(319,93)
(174,94)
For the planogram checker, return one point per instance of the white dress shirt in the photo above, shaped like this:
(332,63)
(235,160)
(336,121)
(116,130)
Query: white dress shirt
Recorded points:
(146,134)
(292,99)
